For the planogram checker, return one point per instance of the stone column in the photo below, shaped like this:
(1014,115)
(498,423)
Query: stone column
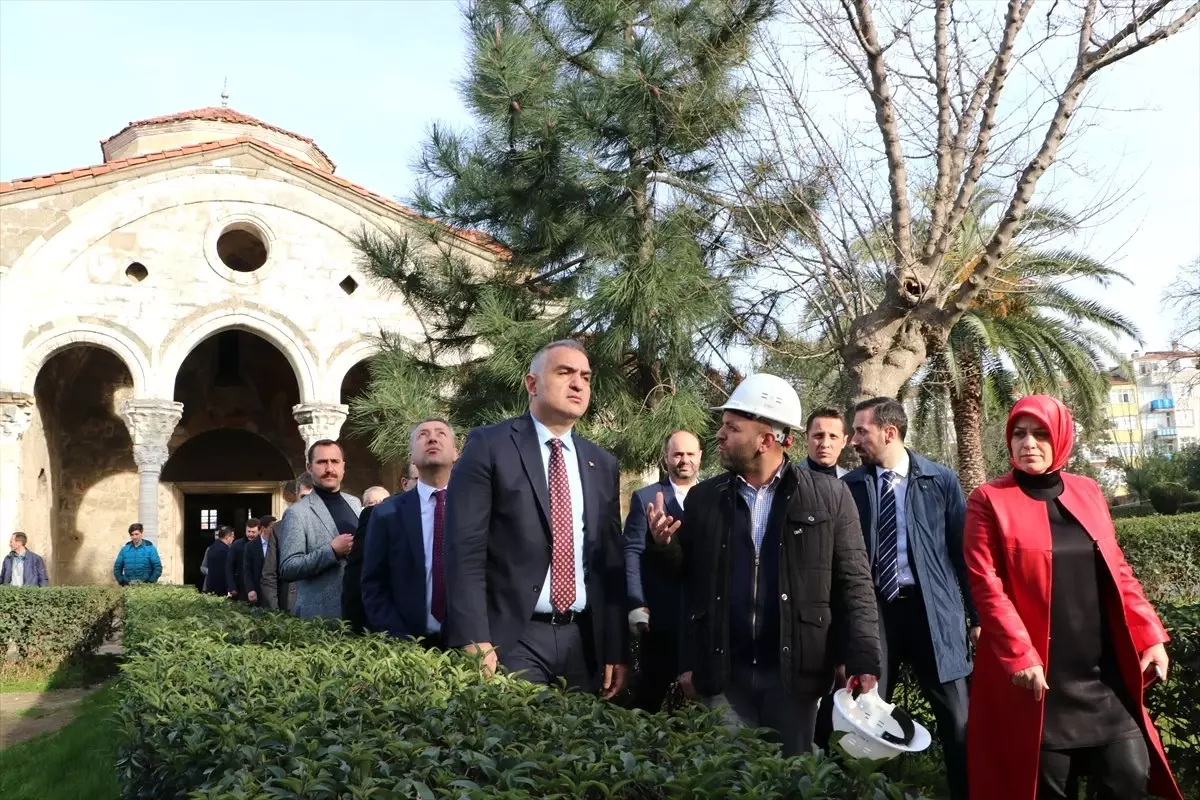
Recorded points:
(150,424)
(16,413)
(319,421)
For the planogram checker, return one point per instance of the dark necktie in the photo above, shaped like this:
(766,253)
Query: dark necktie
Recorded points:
(437,602)
(887,565)
(562,532)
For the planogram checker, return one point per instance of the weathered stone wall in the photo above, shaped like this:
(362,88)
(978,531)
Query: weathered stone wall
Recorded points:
(94,482)
(38,482)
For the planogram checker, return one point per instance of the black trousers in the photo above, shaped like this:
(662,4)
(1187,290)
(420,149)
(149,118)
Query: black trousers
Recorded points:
(1116,771)
(756,698)
(658,667)
(907,640)
(545,653)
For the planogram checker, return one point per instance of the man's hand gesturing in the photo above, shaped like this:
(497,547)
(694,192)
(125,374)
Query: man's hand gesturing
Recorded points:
(662,525)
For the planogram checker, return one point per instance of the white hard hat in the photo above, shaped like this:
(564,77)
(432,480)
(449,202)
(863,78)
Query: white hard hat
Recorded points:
(875,729)
(768,398)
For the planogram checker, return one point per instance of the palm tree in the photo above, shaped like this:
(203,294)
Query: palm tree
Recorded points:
(1031,332)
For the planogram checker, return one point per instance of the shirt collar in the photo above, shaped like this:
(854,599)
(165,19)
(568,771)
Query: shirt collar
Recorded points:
(544,435)
(769,484)
(424,491)
(901,468)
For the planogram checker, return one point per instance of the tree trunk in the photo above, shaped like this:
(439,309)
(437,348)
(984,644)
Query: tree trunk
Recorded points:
(967,406)
(885,349)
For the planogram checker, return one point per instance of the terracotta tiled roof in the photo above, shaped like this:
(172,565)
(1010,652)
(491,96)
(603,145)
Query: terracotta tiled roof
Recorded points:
(1165,355)
(41,181)
(218,114)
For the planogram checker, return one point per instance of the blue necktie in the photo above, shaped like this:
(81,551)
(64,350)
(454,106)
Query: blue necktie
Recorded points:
(887,565)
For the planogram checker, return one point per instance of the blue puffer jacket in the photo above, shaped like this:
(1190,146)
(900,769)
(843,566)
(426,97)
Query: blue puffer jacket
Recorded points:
(139,563)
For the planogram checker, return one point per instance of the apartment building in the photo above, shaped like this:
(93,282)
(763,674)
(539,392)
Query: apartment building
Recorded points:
(1168,391)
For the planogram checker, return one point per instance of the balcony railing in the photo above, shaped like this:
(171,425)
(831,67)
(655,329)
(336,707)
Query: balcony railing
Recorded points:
(1165,433)
(1162,405)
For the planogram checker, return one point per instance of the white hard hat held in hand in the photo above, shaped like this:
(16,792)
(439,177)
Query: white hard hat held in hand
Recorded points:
(768,398)
(874,728)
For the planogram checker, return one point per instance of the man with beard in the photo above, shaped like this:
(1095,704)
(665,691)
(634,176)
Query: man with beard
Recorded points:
(315,535)
(912,514)
(655,595)
(235,576)
(254,559)
(778,589)
(404,572)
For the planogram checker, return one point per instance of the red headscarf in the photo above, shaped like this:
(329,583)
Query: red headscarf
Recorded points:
(1055,416)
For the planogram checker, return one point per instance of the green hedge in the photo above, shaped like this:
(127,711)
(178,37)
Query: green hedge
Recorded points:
(1175,705)
(1132,510)
(51,625)
(1165,555)
(226,701)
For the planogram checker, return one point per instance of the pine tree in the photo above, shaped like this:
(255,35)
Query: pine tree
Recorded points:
(591,164)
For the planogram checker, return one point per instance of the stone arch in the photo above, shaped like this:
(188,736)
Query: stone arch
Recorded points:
(125,346)
(345,357)
(281,333)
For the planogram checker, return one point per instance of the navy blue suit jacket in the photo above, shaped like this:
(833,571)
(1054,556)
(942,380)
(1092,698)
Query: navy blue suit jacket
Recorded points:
(660,590)
(393,568)
(498,541)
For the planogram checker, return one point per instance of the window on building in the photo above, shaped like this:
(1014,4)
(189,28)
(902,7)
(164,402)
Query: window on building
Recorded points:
(1143,369)
(1185,418)
(1127,423)
(1120,396)
(208,519)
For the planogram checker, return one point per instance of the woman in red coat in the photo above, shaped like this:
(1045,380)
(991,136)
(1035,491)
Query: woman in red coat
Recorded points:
(1069,641)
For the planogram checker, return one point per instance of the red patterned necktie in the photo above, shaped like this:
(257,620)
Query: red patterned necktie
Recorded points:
(562,532)
(438,601)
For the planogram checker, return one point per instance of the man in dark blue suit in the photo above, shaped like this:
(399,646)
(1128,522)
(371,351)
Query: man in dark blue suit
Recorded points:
(403,573)
(533,546)
(912,514)
(655,594)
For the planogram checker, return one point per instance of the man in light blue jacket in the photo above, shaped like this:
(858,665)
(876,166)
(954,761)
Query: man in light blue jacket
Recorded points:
(138,561)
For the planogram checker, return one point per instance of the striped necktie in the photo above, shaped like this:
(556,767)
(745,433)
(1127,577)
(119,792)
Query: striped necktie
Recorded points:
(887,565)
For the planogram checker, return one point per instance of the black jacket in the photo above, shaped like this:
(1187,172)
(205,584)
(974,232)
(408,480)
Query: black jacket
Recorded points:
(253,559)
(824,605)
(218,563)
(352,602)
(233,568)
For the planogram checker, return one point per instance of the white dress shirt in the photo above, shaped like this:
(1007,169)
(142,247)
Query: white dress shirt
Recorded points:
(571,459)
(900,486)
(681,492)
(428,505)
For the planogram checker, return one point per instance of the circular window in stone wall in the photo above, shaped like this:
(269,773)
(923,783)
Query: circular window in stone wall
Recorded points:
(242,247)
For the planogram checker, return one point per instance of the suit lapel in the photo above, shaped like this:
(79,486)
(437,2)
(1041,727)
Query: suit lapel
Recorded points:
(524,437)
(410,519)
(588,478)
(318,507)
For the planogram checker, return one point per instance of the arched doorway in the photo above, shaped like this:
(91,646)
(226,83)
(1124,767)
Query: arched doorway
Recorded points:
(236,443)
(223,489)
(363,469)
(79,480)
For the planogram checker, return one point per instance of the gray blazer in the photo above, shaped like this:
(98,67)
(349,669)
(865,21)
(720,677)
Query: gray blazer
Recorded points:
(305,556)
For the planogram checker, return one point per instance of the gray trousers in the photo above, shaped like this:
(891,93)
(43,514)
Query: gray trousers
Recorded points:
(755,698)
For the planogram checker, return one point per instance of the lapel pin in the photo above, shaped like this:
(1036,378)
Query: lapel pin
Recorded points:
(592,464)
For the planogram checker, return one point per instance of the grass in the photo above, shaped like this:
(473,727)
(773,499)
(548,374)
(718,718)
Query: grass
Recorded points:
(77,675)
(75,763)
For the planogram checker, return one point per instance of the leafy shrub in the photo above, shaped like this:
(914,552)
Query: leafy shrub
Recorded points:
(1132,510)
(1175,705)
(1165,555)
(227,701)
(1168,496)
(1190,508)
(51,625)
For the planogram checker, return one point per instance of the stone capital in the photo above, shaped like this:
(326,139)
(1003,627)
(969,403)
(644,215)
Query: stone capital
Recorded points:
(16,412)
(319,421)
(150,423)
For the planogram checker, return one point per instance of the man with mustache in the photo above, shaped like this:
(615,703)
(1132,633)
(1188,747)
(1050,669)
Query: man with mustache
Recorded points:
(778,589)
(315,535)
(534,578)
(403,572)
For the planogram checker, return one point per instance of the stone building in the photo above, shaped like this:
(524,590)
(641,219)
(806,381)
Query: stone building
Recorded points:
(176,325)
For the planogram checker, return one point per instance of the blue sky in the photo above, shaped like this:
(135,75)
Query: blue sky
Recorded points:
(365,79)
